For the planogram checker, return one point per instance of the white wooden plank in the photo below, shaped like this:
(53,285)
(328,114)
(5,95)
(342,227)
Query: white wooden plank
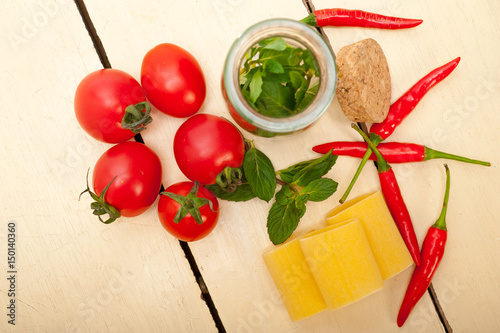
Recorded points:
(459,117)
(230,258)
(74,274)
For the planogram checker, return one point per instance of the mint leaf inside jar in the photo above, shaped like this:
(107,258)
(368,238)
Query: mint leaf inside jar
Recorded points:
(277,79)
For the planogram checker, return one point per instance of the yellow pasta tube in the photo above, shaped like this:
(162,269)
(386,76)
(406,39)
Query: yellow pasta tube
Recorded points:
(294,280)
(384,238)
(342,263)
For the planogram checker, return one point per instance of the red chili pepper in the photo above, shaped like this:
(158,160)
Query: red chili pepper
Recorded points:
(394,200)
(393,152)
(339,17)
(431,255)
(400,109)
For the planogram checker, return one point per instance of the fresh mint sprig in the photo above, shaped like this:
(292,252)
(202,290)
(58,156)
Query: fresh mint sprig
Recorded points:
(303,182)
(279,80)
(300,183)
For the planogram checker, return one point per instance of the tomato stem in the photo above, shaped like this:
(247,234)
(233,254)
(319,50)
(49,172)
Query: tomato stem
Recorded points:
(229,179)
(135,119)
(100,206)
(189,204)
(248,144)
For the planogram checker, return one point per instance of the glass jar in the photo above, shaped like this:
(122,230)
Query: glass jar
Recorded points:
(296,34)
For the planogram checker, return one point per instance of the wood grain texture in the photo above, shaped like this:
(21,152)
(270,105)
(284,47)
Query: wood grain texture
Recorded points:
(458,116)
(77,275)
(74,273)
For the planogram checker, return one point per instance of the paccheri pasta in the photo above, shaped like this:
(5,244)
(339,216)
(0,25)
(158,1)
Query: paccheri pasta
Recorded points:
(293,278)
(386,243)
(340,263)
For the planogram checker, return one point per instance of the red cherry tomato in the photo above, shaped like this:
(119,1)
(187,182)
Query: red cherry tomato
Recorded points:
(138,177)
(173,80)
(100,102)
(205,144)
(187,229)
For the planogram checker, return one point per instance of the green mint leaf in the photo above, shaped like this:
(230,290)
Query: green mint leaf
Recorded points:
(309,61)
(296,79)
(320,189)
(304,172)
(300,205)
(255,86)
(301,92)
(308,96)
(285,196)
(252,52)
(260,174)
(277,44)
(275,100)
(295,57)
(243,193)
(281,78)
(272,66)
(246,78)
(280,56)
(287,174)
(302,198)
(282,221)
(317,168)
(248,56)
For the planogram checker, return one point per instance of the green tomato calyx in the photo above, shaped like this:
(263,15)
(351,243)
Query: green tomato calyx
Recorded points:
(229,179)
(100,206)
(137,117)
(189,204)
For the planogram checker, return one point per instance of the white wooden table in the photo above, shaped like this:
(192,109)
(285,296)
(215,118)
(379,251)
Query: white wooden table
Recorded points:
(74,274)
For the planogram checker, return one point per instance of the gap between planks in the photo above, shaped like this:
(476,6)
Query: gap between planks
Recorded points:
(205,294)
(434,298)
(101,52)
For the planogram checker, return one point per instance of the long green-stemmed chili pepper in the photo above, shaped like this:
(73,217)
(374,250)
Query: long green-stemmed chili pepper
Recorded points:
(340,17)
(393,152)
(394,200)
(431,255)
(400,109)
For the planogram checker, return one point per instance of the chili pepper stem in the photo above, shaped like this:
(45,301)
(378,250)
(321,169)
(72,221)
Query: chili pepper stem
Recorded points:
(376,139)
(441,221)
(356,175)
(382,163)
(431,154)
(310,20)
